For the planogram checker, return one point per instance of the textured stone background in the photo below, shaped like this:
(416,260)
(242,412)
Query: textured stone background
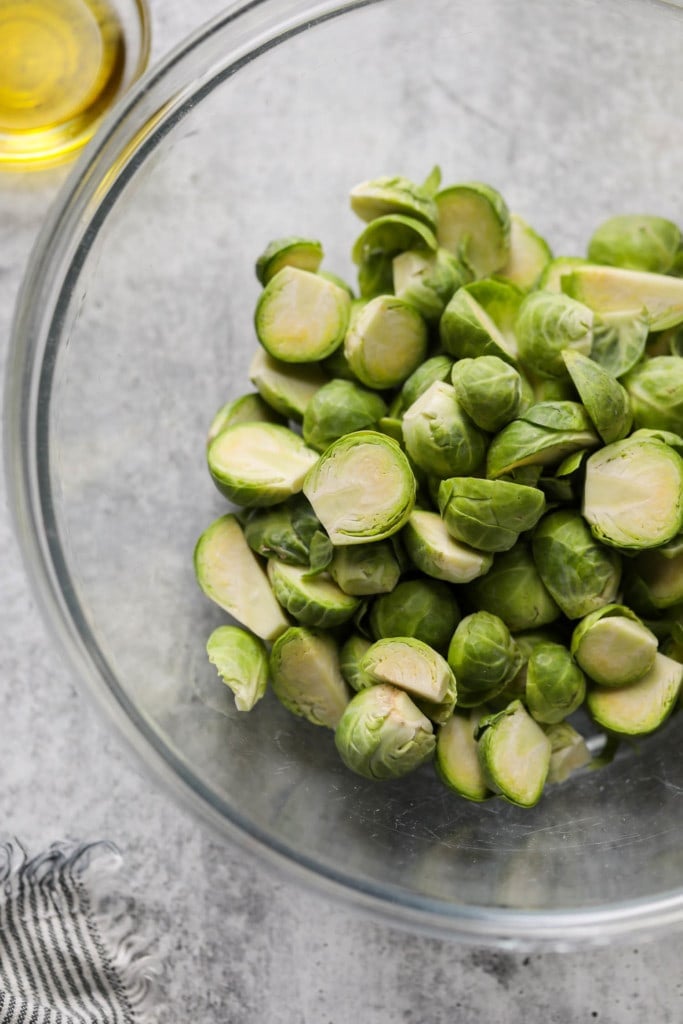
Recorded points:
(237,944)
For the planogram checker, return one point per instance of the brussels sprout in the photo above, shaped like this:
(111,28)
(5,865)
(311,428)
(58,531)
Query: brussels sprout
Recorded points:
(242,663)
(382,196)
(642,706)
(542,436)
(350,656)
(619,340)
(474,223)
(383,735)
(457,759)
(555,685)
(483,656)
(633,495)
(229,573)
(513,590)
(432,550)
(655,388)
(661,574)
(391,234)
(301,317)
(284,530)
(604,399)
(613,646)
(581,574)
(363,569)
(479,321)
(259,464)
(439,437)
(361,488)
(440,712)
(286,388)
(614,290)
(303,253)
(424,609)
(566,486)
(553,272)
(547,325)
(410,665)
(427,280)
(568,752)
(392,427)
(514,753)
(386,342)
(488,514)
(340,283)
(528,257)
(246,409)
(438,368)
(306,677)
(376,275)
(312,600)
(636,242)
(489,390)
(338,408)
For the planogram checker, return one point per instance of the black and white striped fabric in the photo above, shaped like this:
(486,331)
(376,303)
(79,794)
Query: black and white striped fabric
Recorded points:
(60,963)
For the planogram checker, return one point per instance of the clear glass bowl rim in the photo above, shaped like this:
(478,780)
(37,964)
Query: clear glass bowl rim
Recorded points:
(128,134)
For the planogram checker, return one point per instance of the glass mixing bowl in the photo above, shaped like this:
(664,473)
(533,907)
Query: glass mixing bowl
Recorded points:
(135,324)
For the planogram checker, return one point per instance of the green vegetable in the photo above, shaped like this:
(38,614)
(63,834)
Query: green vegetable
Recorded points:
(434,551)
(488,514)
(386,342)
(246,409)
(301,317)
(568,752)
(338,408)
(242,663)
(479,321)
(350,656)
(483,656)
(644,705)
(303,253)
(438,368)
(457,758)
(555,685)
(312,600)
(386,195)
(528,257)
(513,590)
(426,609)
(306,677)
(660,573)
(603,397)
(636,242)
(439,437)
(383,735)
(474,223)
(514,754)
(285,387)
(259,464)
(543,436)
(284,531)
(655,389)
(363,569)
(489,390)
(548,324)
(614,290)
(619,340)
(613,647)
(427,280)
(409,664)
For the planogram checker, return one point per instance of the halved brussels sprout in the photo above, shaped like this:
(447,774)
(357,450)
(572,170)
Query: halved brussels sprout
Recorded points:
(636,242)
(229,573)
(581,574)
(391,234)
(438,368)
(426,609)
(383,735)
(555,685)
(301,317)
(338,408)
(568,752)
(613,646)
(489,390)
(474,223)
(303,253)
(241,660)
(246,409)
(642,706)
(655,388)
(633,494)
(386,342)
(361,488)
(457,758)
(312,600)
(488,514)
(350,656)
(614,290)
(284,531)
(427,280)
(513,590)
(306,677)
(410,665)
(259,464)
(604,399)
(514,753)
(547,325)
(381,196)
(283,386)
(528,257)
(483,655)
(363,569)
(479,320)
(619,340)
(661,573)
(541,436)
(439,437)
(376,275)
(432,550)
(553,272)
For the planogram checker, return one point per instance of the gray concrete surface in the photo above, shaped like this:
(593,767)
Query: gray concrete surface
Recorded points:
(238,945)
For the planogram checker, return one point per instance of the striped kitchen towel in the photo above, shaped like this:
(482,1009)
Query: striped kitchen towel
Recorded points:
(68,950)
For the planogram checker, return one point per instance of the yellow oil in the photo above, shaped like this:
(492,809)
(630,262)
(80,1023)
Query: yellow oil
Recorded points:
(61,64)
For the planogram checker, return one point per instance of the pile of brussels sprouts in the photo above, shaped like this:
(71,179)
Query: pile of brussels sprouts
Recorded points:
(460,492)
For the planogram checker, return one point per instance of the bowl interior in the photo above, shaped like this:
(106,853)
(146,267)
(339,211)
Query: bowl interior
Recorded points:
(145,328)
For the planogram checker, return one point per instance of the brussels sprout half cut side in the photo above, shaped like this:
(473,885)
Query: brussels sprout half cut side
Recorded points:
(301,317)
(457,758)
(410,665)
(614,290)
(285,387)
(386,342)
(644,705)
(569,752)
(474,223)
(259,464)
(479,319)
(241,661)
(528,257)
(249,408)
(306,676)
(613,647)
(435,552)
(514,753)
(303,253)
